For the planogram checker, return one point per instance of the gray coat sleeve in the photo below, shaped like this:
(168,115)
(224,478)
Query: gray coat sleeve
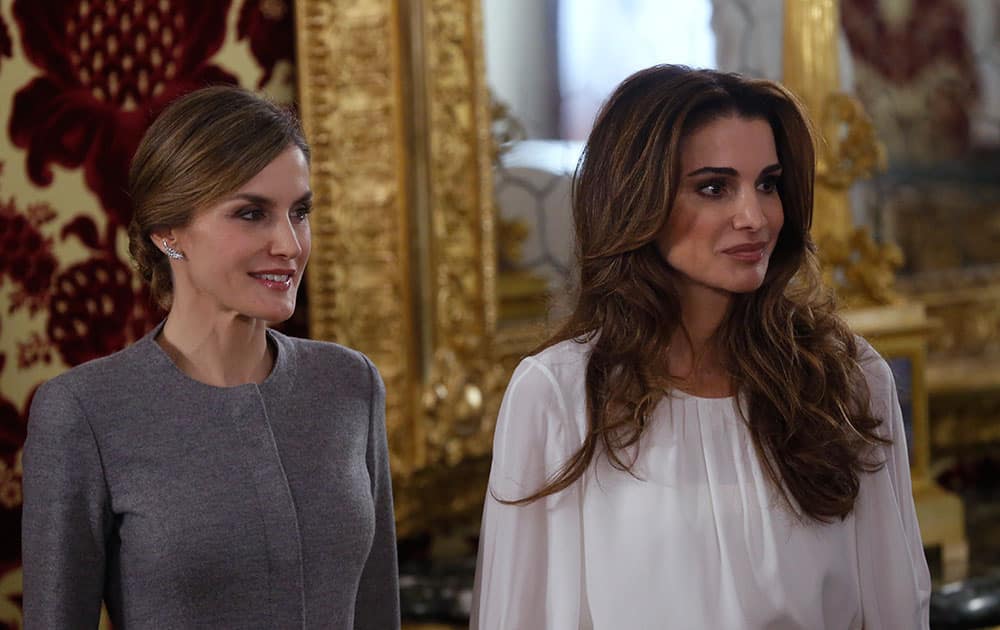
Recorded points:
(66,518)
(377,605)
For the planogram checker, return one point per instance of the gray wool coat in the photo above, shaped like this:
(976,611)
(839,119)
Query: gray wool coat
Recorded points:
(183,505)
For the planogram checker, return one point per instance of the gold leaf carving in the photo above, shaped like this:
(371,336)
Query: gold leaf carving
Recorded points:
(461,403)
(462,233)
(404,268)
(349,82)
(851,149)
(862,271)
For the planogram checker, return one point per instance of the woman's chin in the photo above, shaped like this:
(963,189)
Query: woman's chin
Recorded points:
(748,282)
(271,315)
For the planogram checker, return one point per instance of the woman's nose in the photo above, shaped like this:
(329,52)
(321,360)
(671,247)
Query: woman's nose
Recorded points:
(285,242)
(749,215)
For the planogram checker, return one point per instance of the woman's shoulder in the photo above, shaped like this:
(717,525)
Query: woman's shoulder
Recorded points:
(324,356)
(569,353)
(97,387)
(552,378)
(874,367)
(121,368)
(565,361)
(544,410)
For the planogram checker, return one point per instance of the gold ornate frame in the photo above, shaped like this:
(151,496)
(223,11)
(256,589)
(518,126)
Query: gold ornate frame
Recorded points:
(394,102)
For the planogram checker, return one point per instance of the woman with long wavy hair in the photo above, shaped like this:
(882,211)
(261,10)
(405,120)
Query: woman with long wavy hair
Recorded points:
(704,443)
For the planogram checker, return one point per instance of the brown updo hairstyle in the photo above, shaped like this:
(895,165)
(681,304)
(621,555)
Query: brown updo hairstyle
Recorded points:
(201,148)
(793,362)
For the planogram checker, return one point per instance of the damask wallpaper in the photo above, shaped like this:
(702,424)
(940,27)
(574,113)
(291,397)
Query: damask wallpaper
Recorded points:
(79,82)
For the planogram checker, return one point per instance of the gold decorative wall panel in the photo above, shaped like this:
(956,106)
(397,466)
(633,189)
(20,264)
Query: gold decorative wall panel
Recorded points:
(350,86)
(862,270)
(463,278)
(394,102)
(963,374)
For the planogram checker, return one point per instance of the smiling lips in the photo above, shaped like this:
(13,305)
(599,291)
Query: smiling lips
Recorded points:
(749,252)
(277,279)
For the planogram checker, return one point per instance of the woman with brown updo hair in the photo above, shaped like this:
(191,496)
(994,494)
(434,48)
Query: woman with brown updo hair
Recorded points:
(704,444)
(216,473)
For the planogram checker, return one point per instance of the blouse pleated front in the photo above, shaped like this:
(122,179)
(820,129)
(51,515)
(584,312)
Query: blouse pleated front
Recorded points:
(696,537)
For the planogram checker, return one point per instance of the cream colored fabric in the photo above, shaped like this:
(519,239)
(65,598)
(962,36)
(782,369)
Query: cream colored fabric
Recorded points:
(699,539)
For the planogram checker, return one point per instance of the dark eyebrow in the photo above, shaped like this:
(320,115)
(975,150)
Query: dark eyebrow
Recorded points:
(260,200)
(728,171)
(716,170)
(266,201)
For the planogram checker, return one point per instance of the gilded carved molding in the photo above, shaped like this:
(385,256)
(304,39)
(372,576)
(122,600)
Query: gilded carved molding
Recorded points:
(462,392)
(851,150)
(967,304)
(349,82)
(404,268)
(861,270)
(461,179)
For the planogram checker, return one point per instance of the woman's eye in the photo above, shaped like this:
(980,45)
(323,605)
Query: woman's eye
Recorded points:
(769,185)
(251,214)
(712,189)
(302,214)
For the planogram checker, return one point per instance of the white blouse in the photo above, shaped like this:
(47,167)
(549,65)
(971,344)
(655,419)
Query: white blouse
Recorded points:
(700,539)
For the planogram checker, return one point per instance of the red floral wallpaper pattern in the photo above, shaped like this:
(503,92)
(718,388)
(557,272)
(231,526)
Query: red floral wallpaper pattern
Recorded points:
(5,44)
(106,71)
(100,71)
(270,27)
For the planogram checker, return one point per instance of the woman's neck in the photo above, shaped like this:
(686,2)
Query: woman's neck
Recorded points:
(220,349)
(697,363)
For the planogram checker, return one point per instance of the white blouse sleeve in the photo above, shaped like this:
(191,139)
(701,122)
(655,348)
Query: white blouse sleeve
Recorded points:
(895,582)
(530,568)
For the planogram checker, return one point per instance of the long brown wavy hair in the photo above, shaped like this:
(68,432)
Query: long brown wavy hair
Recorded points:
(793,363)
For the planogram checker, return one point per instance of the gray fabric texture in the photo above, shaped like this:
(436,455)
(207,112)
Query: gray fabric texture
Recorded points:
(184,505)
